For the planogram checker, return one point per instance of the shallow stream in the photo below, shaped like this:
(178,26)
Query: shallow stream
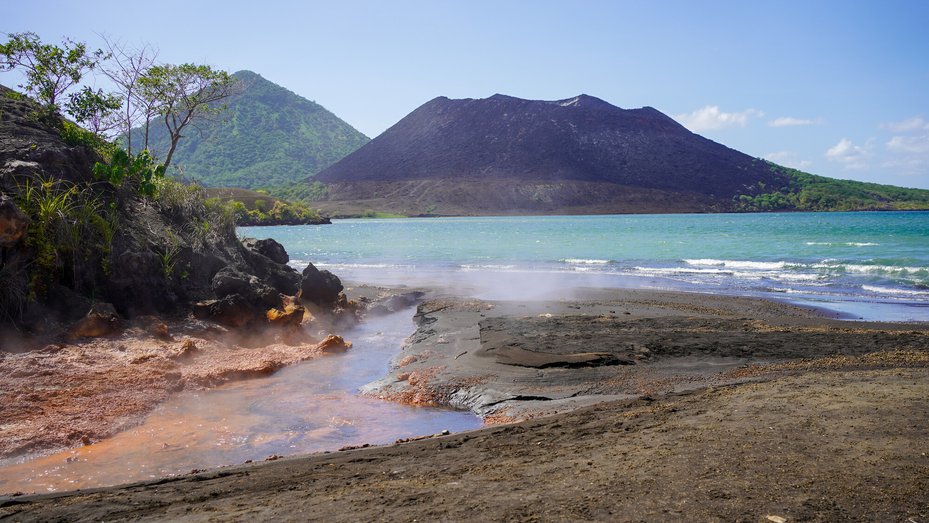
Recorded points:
(310,407)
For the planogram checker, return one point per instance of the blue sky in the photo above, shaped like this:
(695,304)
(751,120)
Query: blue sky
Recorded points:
(838,88)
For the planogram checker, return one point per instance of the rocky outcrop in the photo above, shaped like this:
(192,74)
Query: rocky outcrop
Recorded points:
(168,254)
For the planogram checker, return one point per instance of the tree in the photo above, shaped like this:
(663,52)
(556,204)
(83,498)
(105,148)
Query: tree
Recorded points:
(125,68)
(50,70)
(185,93)
(95,110)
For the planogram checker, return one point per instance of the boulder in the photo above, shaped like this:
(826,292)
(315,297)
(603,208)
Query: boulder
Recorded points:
(320,287)
(269,248)
(334,343)
(13,222)
(99,321)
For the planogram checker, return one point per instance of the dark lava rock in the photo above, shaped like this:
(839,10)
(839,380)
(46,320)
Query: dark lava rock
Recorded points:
(267,247)
(320,287)
(228,281)
(137,284)
(232,311)
(283,278)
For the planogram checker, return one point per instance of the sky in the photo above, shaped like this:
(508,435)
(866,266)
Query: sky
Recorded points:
(836,88)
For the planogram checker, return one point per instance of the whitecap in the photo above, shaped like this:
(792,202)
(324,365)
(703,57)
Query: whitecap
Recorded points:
(490,266)
(739,264)
(582,261)
(891,290)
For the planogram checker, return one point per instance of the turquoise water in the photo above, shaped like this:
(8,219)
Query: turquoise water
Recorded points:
(865,265)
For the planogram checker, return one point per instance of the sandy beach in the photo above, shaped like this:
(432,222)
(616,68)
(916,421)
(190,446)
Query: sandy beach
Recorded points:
(622,405)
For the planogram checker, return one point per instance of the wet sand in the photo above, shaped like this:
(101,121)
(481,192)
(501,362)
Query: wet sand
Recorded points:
(722,408)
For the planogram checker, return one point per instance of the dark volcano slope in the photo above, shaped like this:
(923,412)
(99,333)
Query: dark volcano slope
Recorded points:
(505,155)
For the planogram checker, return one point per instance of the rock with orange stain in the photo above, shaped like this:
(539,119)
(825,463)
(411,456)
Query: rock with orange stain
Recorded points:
(334,343)
(187,351)
(291,317)
(99,321)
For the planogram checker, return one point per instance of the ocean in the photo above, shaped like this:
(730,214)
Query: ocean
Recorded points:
(862,265)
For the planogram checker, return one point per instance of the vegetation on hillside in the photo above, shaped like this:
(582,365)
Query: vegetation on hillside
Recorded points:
(808,192)
(300,192)
(250,208)
(268,136)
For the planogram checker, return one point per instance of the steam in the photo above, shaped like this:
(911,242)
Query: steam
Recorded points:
(502,284)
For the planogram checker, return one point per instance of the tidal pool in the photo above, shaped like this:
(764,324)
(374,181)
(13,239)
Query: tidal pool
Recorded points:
(310,407)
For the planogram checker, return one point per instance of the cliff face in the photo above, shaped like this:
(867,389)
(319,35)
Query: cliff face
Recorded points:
(505,154)
(87,241)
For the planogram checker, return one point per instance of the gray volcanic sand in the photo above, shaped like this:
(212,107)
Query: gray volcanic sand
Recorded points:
(724,409)
(508,361)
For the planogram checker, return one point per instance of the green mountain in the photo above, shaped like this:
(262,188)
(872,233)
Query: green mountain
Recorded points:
(268,136)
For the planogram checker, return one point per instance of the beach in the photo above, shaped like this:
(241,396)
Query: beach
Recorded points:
(621,405)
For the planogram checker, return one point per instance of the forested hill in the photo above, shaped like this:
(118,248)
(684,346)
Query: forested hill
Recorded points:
(267,136)
(505,155)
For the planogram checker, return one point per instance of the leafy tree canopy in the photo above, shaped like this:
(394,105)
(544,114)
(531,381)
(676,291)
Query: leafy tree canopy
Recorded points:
(50,69)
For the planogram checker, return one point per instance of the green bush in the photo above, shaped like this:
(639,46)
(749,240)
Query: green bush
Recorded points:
(74,135)
(69,230)
(141,170)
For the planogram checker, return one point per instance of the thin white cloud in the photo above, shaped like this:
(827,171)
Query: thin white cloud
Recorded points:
(917,144)
(848,154)
(916,123)
(789,121)
(909,165)
(710,118)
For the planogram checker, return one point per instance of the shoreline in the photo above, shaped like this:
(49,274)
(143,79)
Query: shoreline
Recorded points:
(759,345)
